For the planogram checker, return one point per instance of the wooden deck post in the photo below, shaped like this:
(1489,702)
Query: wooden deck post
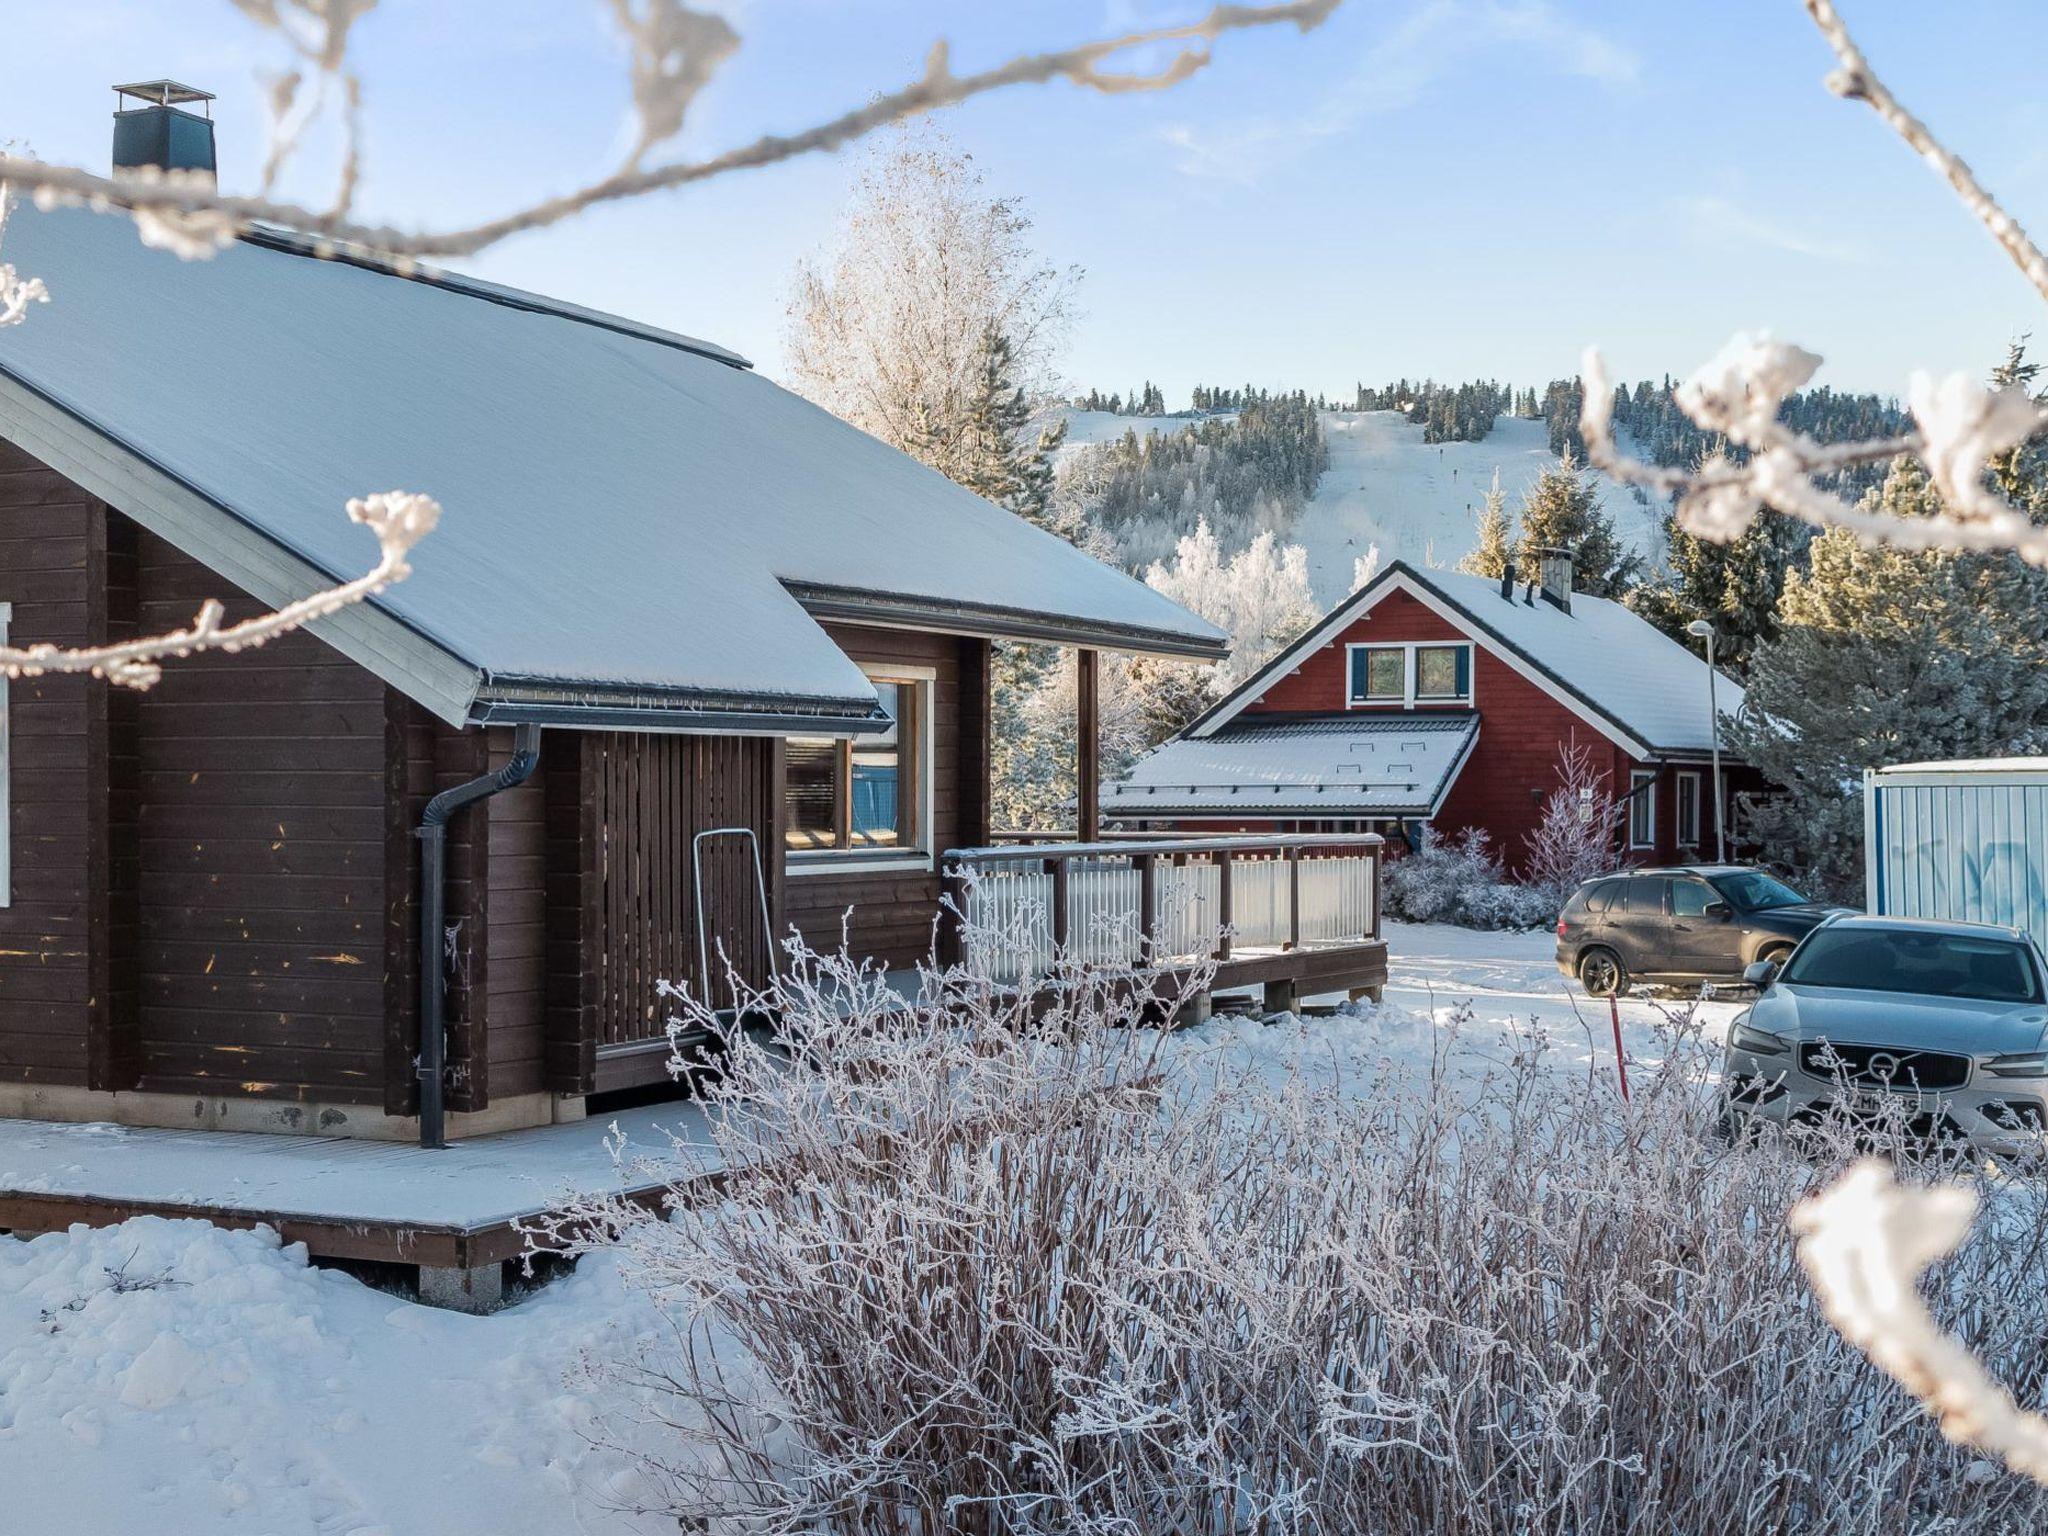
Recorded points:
(1057,868)
(1226,907)
(1088,766)
(1294,897)
(1148,903)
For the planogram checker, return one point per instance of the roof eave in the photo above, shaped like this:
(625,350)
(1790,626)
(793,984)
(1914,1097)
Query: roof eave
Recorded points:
(906,611)
(503,700)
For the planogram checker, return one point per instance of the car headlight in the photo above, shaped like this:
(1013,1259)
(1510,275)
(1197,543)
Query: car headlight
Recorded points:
(1745,1036)
(2025,1064)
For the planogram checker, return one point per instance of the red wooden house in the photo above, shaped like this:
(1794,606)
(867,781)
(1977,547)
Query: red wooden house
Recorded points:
(1434,697)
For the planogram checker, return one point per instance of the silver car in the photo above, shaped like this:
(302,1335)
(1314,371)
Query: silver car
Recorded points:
(1941,1027)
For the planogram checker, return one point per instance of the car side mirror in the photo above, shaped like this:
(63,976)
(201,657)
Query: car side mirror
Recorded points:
(1760,973)
(1720,911)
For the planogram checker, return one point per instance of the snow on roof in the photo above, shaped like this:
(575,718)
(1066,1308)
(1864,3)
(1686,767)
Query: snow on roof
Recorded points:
(622,508)
(1614,659)
(1970,765)
(1377,766)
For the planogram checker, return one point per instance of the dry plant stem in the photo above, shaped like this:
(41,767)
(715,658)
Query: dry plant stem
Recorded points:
(1083,65)
(1962,425)
(1865,1242)
(1855,80)
(399,520)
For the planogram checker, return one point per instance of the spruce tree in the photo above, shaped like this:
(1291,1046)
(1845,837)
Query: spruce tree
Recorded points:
(1562,511)
(1886,655)
(1494,549)
(1735,587)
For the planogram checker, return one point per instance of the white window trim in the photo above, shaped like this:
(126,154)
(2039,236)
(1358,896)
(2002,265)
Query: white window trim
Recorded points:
(1409,698)
(809,863)
(1646,803)
(6,772)
(1688,839)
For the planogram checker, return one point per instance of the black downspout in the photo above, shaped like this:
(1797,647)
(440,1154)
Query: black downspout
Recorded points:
(433,904)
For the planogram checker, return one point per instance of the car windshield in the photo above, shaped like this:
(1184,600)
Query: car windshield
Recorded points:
(1752,891)
(1917,961)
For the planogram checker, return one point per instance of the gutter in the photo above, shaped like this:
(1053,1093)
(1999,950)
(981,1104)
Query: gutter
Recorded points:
(903,611)
(433,1058)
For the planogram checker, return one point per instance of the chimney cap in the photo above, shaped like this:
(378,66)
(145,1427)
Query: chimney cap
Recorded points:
(163,93)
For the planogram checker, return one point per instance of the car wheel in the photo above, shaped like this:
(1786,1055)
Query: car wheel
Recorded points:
(1777,954)
(1602,973)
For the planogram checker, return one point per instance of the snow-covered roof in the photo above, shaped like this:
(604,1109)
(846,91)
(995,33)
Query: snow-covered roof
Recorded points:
(1371,766)
(1621,671)
(629,514)
(1970,765)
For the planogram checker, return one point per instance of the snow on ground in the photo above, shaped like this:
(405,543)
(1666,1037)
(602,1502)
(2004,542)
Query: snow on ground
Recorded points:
(232,1388)
(1085,428)
(166,1376)
(1416,500)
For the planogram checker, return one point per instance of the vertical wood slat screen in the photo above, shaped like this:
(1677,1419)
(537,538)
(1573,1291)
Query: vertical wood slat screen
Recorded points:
(652,795)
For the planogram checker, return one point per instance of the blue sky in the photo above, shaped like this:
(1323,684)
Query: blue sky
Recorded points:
(1445,187)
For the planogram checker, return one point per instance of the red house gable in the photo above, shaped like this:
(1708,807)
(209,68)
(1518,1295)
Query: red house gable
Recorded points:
(1522,727)
(1538,675)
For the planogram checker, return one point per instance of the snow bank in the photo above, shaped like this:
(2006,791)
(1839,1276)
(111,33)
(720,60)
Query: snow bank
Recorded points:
(168,1376)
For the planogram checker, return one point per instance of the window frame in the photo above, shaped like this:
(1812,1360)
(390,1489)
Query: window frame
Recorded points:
(1645,803)
(1680,780)
(1410,675)
(921,685)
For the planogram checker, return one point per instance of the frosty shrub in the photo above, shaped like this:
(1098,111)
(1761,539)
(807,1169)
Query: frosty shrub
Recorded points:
(1458,880)
(948,1269)
(1574,839)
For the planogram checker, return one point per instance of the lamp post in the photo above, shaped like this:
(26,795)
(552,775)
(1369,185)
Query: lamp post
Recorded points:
(1705,631)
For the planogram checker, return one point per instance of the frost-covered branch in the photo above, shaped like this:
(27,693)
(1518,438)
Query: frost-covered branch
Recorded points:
(1865,1243)
(1962,424)
(676,50)
(400,519)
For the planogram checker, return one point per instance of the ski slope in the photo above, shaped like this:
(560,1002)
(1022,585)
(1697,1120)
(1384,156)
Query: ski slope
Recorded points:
(1087,428)
(1417,501)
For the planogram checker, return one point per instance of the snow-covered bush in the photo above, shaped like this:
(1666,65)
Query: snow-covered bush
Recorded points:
(958,1272)
(1458,880)
(1574,840)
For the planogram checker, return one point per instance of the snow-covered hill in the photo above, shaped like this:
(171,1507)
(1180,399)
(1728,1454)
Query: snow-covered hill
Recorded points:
(1416,500)
(1086,428)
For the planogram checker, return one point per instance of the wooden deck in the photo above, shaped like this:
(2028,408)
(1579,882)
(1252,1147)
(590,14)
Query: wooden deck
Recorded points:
(454,1213)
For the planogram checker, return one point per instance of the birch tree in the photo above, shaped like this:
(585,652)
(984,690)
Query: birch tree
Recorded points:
(674,50)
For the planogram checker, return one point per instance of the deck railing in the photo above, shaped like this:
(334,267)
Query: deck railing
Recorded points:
(1019,908)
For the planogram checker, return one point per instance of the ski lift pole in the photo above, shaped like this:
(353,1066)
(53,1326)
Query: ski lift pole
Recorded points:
(1620,1056)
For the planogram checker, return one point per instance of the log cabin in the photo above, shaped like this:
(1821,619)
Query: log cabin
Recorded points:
(1441,699)
(689,666)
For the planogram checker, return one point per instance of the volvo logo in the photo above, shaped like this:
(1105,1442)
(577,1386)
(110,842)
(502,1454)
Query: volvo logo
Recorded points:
(1882,1065)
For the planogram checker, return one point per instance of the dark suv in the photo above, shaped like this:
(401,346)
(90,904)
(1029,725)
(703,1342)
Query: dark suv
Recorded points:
(1689,923)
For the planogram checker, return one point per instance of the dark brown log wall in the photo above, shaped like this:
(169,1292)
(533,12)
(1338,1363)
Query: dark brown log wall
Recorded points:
(892,911)
(260,825)
(53,961)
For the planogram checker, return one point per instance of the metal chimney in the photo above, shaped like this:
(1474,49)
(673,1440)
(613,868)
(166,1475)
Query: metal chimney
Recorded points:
(153,128)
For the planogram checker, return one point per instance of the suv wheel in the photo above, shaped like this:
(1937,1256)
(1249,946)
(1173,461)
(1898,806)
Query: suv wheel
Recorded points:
(1602,973)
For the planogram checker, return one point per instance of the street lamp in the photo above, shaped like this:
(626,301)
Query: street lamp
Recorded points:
(1701,629)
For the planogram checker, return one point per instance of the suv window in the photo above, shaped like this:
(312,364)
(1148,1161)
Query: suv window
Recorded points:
(1596,898)
(1689,898)
(1645,895)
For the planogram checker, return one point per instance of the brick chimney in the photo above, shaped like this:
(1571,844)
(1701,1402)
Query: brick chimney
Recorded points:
(1555,577)
(154,126)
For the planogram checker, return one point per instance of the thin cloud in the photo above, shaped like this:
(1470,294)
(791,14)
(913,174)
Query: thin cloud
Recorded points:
(1727,222)
(1398,70)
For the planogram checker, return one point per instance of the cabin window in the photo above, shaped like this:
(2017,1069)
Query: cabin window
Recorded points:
(865,796)
(1406,675)
(1379,674)
(1443,673)
(1642,809)
(1688,810)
